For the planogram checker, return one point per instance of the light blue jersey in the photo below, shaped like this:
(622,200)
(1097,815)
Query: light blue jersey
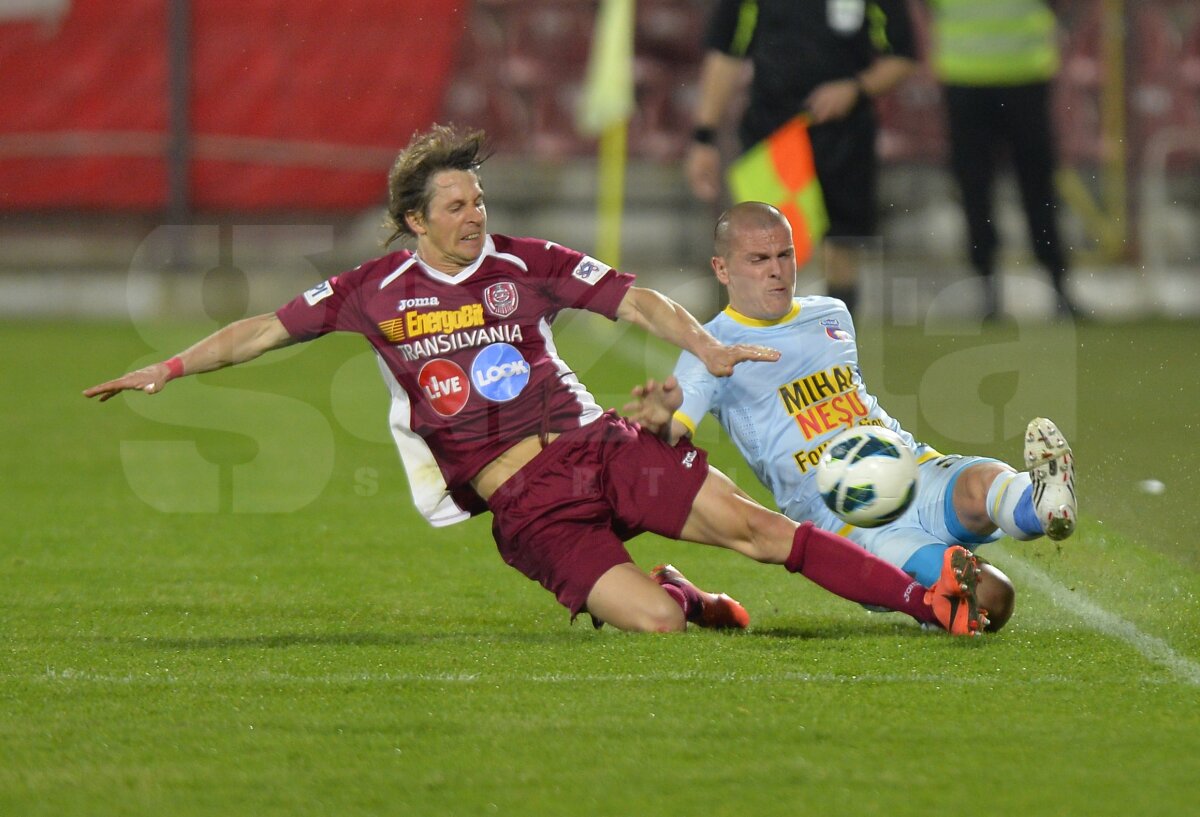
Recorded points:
(782,415)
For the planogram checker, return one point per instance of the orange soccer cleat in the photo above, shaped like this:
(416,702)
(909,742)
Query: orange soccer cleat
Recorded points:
(715,610)
(952,597)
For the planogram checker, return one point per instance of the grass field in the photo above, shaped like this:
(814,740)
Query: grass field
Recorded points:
(219,601)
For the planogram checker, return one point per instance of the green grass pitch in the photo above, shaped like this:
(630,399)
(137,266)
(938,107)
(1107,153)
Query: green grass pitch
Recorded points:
(219,600)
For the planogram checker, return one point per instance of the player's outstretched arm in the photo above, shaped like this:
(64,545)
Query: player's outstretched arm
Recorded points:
(236,343)
(663,318)
(653,407)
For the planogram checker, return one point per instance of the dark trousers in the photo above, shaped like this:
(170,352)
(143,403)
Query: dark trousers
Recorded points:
(985,123)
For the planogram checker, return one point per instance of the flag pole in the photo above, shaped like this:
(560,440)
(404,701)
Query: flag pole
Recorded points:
(606,106)
(610,198)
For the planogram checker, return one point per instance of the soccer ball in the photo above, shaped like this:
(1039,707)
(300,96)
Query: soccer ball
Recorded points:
(867,476)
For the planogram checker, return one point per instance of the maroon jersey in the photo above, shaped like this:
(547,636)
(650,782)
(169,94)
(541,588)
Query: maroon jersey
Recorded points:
(469,358)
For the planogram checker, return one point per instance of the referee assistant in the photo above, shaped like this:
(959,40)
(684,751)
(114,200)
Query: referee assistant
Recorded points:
(826,57)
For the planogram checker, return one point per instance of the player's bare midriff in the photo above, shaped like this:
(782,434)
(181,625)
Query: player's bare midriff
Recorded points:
(497,472)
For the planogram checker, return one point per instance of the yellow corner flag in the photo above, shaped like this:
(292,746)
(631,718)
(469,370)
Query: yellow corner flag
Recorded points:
(608,85)
(779,170)
(606,106)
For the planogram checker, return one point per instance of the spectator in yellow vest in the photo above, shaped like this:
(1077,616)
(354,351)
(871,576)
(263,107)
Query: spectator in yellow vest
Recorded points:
(995,60)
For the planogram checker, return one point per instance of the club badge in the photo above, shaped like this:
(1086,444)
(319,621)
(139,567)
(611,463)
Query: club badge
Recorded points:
(835,330)
(501,299)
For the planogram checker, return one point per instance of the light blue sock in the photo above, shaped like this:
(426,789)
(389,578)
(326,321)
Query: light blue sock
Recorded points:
(926,564)
(1010,506)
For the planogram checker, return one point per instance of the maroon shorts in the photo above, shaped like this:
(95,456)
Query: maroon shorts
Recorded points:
(563,518)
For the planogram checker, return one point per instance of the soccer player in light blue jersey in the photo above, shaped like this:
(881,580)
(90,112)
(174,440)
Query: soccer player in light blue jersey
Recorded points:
(782,415)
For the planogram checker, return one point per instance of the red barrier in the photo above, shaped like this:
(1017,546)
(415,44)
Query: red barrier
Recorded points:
(296,104)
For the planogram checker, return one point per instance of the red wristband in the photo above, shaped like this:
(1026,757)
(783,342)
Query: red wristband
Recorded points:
(174,368)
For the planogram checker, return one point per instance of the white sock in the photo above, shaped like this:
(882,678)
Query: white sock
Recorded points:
(1010,506)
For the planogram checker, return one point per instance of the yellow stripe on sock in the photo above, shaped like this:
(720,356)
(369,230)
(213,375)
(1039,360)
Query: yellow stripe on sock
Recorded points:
(1000,497)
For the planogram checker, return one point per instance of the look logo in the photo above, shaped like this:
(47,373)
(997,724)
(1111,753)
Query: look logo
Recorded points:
(499,372)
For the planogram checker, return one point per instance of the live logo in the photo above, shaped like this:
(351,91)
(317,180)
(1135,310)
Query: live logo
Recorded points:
(436,388)
(445,385)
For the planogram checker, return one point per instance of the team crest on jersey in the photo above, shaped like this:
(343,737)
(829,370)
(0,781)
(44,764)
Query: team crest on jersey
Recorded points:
(501,299)
(589,270)
(835,330)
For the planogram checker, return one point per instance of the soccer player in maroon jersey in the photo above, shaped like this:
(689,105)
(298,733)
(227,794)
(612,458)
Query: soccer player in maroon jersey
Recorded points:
(487,416)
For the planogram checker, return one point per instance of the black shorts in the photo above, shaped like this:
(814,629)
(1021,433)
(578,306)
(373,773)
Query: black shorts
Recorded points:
(848,168)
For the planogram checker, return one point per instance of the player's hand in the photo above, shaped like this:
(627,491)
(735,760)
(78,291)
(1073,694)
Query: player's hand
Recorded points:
(721,359)
(150,380)
(654,404)
(702,166)
(832,100)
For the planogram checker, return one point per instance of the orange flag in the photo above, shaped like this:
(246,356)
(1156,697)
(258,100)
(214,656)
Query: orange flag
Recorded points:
(779,170)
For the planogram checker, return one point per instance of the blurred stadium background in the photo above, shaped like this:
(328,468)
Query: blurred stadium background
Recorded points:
(268,126)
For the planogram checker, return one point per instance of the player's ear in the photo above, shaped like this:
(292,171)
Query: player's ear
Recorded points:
(415,220)
(720,270)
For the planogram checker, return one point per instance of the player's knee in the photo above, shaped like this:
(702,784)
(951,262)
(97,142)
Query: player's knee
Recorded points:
(657,613)
(660,616)
(971,492)
(627,599)
(996,594)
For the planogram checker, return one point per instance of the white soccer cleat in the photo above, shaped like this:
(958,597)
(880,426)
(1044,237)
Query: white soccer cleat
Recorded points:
(1052,470)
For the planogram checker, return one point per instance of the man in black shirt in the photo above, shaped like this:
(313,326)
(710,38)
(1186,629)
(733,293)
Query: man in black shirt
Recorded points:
(828,58)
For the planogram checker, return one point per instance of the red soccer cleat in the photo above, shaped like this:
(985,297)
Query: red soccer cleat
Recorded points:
(715,610)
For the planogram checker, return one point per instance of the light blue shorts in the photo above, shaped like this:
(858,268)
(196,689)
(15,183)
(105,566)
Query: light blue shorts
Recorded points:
(930,520)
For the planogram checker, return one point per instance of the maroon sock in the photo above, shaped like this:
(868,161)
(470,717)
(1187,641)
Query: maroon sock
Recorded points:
(686,602)
(844,568)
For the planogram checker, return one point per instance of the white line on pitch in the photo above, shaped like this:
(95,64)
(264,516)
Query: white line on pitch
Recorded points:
(1155,649)
(339,679)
